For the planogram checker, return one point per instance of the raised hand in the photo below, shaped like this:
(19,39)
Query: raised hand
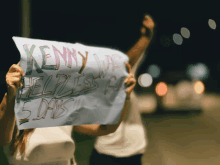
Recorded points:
(13,79)
(130,81)
(148,26)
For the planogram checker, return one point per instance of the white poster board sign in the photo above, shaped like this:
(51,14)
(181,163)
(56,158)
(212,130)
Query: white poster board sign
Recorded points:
(69,84)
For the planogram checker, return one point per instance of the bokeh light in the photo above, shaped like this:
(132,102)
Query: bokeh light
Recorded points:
(199,87)
(177,39)
(198,71)
(212,24)
(184,89)
(185,32)
(161,89)
(145,80)
(154,70)
(170,100)
(147,103)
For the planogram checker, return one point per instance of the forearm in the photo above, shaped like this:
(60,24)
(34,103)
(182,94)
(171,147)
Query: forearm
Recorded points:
(135,52)
(7,119)
(91,129)
(100,130)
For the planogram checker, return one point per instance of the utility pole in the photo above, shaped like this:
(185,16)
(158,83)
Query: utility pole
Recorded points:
(25,18)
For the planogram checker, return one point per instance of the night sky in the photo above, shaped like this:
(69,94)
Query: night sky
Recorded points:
(117,25)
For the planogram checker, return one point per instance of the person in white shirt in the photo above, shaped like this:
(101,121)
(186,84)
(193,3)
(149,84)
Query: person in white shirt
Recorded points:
(43,146)
(127,144)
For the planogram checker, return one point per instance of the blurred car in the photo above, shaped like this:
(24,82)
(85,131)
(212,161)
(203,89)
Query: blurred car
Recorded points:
(177,92)
(173,91)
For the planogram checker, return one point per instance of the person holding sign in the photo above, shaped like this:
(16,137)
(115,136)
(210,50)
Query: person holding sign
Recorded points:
(48,146)
(127,144)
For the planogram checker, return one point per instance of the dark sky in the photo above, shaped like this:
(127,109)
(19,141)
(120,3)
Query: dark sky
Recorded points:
(117,25)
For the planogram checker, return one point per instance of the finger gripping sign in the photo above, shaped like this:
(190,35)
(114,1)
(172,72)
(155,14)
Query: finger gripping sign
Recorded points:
(69,84)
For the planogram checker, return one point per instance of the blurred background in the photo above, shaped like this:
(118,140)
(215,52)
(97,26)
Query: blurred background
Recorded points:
(177,83)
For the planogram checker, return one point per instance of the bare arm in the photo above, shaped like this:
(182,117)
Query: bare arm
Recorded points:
(100,130)
(7,120)
(141,45)
(7,116)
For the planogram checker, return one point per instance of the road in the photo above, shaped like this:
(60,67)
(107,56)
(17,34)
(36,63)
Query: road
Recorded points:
(174,139)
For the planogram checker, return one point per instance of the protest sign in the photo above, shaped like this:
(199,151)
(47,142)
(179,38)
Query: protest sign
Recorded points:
(69,84)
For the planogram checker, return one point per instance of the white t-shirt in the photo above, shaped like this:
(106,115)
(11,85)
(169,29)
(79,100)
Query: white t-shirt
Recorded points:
(130,137)
(46,146)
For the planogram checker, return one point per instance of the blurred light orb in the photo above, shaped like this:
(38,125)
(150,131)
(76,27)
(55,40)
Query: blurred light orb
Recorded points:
(161,89)
(147,103)
(170,100)
(198,71)
(212,24)
(154,70)
(145,80)
(177,39)
(199,87)
(185,32)
(184,89)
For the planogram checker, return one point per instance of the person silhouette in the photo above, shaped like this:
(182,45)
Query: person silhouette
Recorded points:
(46,146)
(127,144)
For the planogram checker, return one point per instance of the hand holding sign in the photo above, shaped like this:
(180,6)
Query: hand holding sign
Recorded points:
(13,79)
(130,81)
(68,84)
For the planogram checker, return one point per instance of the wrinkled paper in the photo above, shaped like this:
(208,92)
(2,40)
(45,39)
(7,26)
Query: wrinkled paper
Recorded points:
(69,84)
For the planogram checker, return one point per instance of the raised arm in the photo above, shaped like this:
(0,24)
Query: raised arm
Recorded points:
(141,45)
(100,130)
(7,116)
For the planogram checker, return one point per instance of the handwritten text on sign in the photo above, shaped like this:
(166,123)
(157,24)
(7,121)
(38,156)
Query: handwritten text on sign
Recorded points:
(69,84)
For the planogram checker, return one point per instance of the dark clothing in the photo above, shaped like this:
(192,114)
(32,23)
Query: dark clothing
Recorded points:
(102,159)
